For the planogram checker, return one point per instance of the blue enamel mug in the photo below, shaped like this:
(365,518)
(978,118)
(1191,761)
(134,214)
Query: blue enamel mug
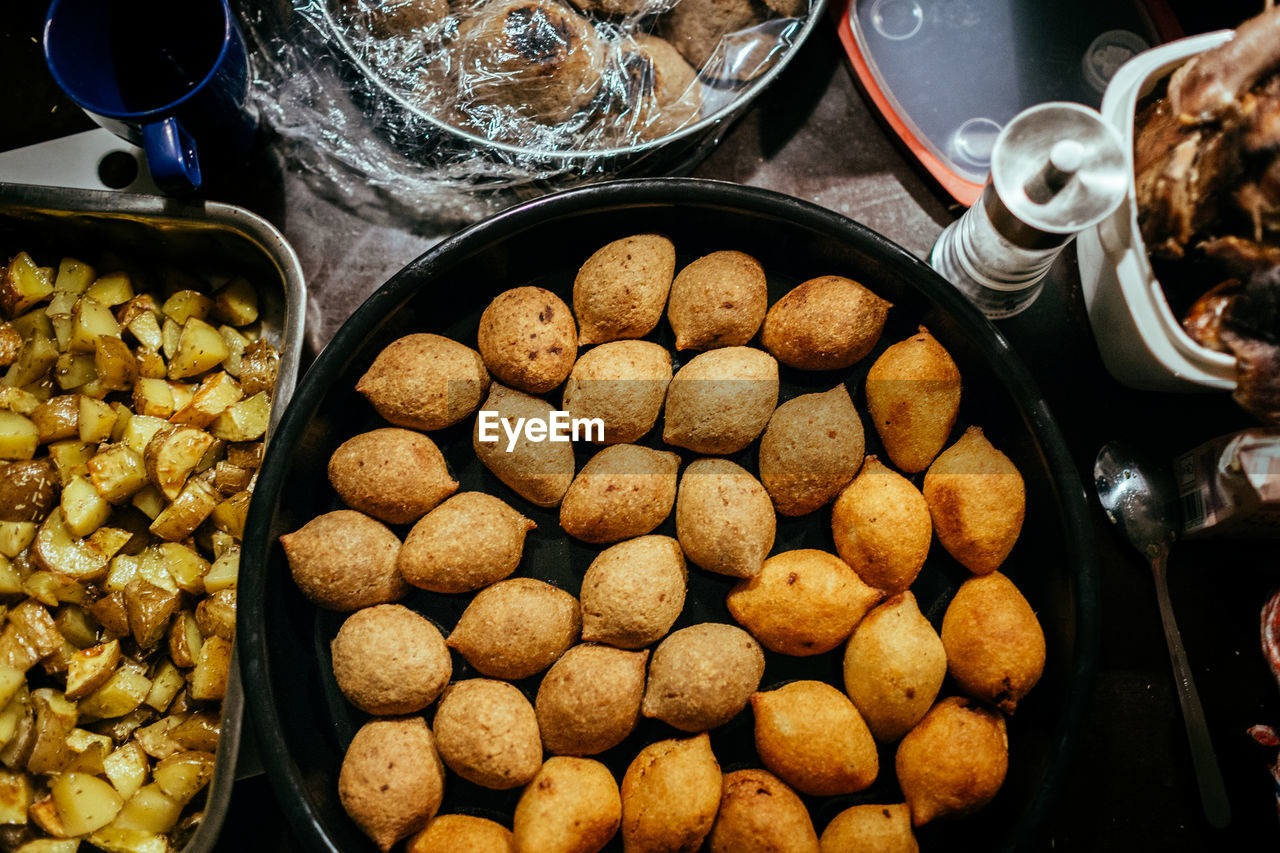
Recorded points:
(172,78)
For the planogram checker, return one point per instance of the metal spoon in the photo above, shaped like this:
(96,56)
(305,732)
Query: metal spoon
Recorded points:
(1141,500)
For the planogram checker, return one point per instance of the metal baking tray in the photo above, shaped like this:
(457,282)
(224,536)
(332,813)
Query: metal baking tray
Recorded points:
(194,235)
(304,725)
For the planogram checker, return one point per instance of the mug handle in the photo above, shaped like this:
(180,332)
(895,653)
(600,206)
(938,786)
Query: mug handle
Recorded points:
(171,156)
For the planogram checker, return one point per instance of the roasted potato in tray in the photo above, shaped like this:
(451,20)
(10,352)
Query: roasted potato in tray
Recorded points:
(131,427)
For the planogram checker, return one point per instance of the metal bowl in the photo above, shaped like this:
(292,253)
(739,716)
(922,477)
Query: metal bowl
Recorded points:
(301,719)
(401,119)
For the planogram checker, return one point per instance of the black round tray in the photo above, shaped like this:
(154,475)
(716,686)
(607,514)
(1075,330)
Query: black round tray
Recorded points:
(301,720)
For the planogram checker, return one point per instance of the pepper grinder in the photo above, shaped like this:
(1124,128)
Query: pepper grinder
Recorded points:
(1056,169)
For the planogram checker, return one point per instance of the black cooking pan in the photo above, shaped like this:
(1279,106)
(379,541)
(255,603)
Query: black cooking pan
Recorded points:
(301,720)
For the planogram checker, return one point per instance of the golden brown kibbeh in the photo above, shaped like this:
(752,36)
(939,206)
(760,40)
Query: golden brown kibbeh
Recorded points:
(516,628)
(633,592)
(389,660)
(721,400)
(345,560)
(803,602)
(621,289)
(725,520)
(995,645)
(538,471)
(810,450)
(913,394)
(460,833)
(719,300)
(870,829)
(894,667)
(826,323)
(487,733)
(623,491)
(661,85)
(589,700)
(395,475)
(391,782)
(760,814)
(528,339)
(814,739)
(571,806)
(468,542)
(538,58)
(670,796)
(977,501)
(954,762)
(424,381)
(702,676)
(623,383)
(881,526)
(695,27)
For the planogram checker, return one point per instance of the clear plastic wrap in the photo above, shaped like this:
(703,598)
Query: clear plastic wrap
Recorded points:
(414,103)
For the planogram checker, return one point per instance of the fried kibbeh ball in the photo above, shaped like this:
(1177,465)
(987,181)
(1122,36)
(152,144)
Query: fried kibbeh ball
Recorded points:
(760,814)
(894,666)
(826,323)
(399,18)
(589,700)
(460,833)
(388,660)
(811,449)
(538,58)
(633,592)
(913,394)
(517,628)
(870,829)
(977,501)
(994,643)
(470,541)
(803,602)
(725,520)
(487,733)
(528,339)
(702,676)
(662,87)
(814,739)
(882,528)
(538,471)
(424,381)
(954,762)
(391,782)
(345,560)
(623,491)
(670,796)
(695,27)
(395,475)
(571,806)
(623,383)
(719,300)
(721,400)
(621,289)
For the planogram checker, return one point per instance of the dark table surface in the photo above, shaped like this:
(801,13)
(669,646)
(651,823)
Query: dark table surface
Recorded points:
(1131,785)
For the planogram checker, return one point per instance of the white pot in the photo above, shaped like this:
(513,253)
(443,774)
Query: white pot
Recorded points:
(1142,343)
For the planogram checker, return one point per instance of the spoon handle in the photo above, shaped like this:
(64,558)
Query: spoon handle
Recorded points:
(1213,793)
